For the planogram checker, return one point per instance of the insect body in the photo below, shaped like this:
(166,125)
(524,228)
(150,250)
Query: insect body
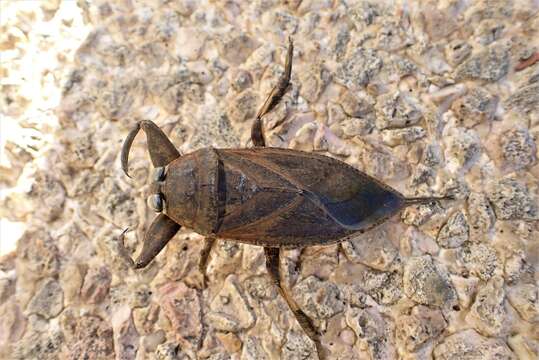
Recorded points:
(271,197)
(274,197)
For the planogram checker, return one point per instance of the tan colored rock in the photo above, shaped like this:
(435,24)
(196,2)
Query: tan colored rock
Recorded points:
(525,299)
(145,318)
(252,350)
(230,341)
(96,285)
(126,337)
(488,314)
(48,300)
(297,346)
(512,199)
(525,348)
(318,299)
(374,331)
(87,336)
(455,232)
(230,310)
(12,324)
(480,216)
(420,326)
(426,282)
(244,106)
(479,259)
(466,288)
(374,248)
(469,345)
(397,110)
(181,305)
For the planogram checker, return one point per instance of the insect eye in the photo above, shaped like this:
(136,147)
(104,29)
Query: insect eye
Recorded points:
(155,202)
(159,174)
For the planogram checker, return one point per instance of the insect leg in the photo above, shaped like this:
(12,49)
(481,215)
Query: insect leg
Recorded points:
(161,150)
(158,235)
(257,133)
(425,200)
(204,256)
(272,265)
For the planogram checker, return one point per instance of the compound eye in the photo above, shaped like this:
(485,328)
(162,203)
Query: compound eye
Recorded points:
(155,202)
(159,174)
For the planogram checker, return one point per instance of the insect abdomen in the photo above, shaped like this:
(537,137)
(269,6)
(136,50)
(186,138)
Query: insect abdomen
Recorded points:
(279,197)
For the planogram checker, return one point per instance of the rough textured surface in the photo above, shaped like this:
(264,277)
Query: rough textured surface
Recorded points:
(424,96)
(469,345)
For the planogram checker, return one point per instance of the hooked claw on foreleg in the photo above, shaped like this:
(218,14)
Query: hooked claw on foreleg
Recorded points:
(162,151)
(158,235)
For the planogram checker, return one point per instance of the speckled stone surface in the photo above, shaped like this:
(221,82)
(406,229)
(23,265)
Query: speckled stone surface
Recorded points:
(430,97)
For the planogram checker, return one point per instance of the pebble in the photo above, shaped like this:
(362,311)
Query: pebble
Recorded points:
(479,259)
(373,248)
(463,149)
(518,148)
(490,64)
(12,324)
(422,325)
(524,346)
(455,232)
(394,137)
(318,299)
(525,299)
(298,347)
(512,200)
(428,283)
(468,344)
(374,331)
(48,300)
(396,110)
(89,336)
(476,107)
(252,349)
(383,287)
(181,305)
(487,314)
(230,310)
(244,106)
(96,285)
(525,99)
(481,217)
(457,51)
(358,69)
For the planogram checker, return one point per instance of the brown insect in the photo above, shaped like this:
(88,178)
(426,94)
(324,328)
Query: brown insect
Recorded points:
(271,197)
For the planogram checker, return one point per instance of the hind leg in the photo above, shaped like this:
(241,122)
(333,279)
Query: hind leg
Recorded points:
(257,133)
(272,265)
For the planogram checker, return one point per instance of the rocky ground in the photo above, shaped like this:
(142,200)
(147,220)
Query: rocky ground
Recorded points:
(437,98)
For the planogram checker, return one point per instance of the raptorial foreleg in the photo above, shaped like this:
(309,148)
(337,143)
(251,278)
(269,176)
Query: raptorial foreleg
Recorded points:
(162,151)
(158,235)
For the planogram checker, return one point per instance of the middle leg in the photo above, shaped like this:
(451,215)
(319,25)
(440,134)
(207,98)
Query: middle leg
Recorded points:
(272,265)
(204,256)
